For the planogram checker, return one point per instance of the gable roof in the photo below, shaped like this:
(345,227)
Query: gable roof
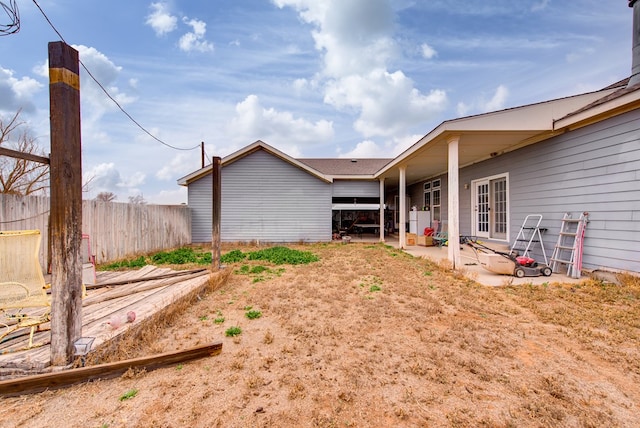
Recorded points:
(246,151)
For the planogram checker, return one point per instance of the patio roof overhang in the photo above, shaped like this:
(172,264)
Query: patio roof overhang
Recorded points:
(482,137)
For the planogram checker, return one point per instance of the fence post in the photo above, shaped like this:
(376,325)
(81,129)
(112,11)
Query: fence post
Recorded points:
(215,216)
(66,201)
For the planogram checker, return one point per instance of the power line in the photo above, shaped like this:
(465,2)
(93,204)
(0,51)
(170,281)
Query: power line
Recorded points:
(107,92)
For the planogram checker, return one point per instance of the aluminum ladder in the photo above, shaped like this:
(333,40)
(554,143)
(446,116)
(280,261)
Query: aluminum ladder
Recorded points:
(568,249)
(529,235)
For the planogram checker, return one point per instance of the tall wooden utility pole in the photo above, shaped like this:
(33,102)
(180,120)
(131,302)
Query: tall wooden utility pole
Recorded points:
(66,202)
(216,194)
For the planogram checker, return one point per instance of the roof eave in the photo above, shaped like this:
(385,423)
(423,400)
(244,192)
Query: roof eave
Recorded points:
(614,107)
(537,118)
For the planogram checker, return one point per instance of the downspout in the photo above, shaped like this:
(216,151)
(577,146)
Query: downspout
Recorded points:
(635,64)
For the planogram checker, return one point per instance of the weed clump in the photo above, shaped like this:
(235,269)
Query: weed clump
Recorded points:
(283,255)
(233,256)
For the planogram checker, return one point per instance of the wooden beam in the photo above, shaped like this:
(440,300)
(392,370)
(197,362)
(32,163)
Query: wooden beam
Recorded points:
(21,155)
(125,291)
(145,278)
(215,213)
(60,379)
(66,201)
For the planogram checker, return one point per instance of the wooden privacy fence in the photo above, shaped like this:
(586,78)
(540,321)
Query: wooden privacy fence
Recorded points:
(116,230)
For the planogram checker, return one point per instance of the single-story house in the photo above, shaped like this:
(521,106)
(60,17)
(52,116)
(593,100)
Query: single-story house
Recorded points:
(479,175)
(269,196)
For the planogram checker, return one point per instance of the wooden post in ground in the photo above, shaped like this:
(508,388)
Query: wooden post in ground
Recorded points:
(66,202)
(216,194)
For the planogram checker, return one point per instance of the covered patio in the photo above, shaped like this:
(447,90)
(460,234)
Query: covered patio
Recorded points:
(462,142)
(469,265)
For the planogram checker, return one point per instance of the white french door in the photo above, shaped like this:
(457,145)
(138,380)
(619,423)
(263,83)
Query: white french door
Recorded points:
(490,207)
(481,211)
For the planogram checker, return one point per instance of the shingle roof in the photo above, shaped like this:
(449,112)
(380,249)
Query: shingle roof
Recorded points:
(335,166)
(623,90)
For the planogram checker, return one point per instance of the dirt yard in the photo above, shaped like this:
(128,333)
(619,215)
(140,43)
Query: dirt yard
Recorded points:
(371,337)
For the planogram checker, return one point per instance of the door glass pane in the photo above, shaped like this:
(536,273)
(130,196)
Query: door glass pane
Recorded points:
(483,208)
(499,207)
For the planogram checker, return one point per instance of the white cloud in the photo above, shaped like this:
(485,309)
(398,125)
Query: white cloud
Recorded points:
(161,20)
(356,40)
(496,102)
(427,51)
(179,165)
(299,85)
(462,109)
(254,122)
(17,93)
(388,149)
(195,41)
(400,144)
(105,72)
(388,102)
(105,177)
(364,149)
(169,197)
(540,5)
(354,36)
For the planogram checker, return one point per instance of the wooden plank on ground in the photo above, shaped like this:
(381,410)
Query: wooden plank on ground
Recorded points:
(169,274)
(162,281)
(42,382)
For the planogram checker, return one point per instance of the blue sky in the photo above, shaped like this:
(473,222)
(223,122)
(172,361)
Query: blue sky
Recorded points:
(313,78)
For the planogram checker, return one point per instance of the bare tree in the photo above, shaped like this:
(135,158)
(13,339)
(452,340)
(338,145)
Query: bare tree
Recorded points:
(138,199)
(106,196)
(20,176)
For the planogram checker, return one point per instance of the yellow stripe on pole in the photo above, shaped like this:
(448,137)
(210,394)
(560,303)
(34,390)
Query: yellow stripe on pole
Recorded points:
(66,76)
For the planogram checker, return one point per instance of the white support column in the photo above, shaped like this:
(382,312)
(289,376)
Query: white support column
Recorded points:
(382,198)
(453,198)
(402,201)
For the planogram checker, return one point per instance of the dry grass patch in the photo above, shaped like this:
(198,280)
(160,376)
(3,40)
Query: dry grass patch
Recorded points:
(370,336)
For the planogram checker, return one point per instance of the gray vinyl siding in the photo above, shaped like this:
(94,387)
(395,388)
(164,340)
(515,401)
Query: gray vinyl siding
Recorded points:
(269,199)
(595,169)
(351,188)
(264,198)
(416,193)
(199,199)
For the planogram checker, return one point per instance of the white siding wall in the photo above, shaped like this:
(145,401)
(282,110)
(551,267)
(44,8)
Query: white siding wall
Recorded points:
(264,198)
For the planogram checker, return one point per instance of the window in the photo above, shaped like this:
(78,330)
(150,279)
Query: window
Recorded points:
(435,200)
(427,196)
(432,198)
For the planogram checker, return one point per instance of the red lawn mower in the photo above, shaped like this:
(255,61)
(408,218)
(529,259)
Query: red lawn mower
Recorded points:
(507,263)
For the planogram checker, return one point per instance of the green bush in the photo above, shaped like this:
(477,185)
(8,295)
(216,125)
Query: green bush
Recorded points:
(181,256)
(233,256)
(252,315)
(126,264)
(233,331)
(283,255)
